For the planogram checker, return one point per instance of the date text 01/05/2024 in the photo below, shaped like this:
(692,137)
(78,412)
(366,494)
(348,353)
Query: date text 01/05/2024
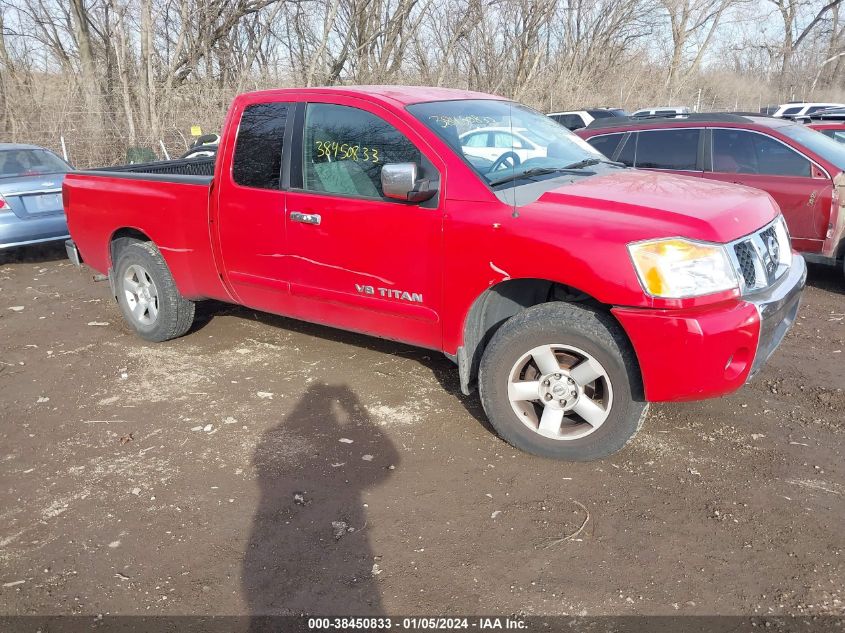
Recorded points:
(418,623)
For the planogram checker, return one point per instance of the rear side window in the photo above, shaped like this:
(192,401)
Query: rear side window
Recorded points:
(606,144)
(741,152)
(600,114)
(504,140)
(258,150)
(668,149)
(477,140)
(789,111)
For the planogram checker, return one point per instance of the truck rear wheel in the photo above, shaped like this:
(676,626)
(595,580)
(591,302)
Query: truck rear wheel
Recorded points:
(561,381)
(147,295)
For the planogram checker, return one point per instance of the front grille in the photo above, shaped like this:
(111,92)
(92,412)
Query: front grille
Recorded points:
(762,257)
(745,258)
(771,263)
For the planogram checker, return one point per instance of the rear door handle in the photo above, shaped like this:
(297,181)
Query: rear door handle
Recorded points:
(305,218)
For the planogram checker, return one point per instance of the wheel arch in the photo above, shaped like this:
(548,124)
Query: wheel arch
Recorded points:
(499,303)
(122,236)
(118,239)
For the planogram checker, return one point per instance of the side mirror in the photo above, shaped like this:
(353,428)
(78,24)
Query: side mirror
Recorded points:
(399,181)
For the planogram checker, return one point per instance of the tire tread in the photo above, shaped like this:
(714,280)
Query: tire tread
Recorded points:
(593,324)
(176,314)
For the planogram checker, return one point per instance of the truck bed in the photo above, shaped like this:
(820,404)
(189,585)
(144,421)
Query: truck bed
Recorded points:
(202,167)
(166,202)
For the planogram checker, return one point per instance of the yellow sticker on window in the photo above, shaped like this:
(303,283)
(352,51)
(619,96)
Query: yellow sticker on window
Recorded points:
(196,130)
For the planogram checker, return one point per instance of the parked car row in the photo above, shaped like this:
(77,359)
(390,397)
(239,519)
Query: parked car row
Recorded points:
(794,110)
(577,119)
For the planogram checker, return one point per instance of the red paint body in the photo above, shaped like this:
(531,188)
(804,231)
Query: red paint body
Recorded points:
(237,244)
(810,204)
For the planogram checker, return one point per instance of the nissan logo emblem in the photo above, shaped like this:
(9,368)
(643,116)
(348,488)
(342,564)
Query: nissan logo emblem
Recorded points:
(774,248)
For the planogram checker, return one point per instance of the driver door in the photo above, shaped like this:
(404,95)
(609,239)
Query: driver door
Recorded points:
(358,259)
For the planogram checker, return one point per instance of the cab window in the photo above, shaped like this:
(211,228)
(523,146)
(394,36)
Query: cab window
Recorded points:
(344,149)
(258,149)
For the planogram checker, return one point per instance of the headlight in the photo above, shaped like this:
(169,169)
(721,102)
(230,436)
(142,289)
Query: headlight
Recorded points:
(784,244)
(676,268)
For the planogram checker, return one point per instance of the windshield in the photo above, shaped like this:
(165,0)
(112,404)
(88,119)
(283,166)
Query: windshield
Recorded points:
(504,142)
(817,143)
(30,162)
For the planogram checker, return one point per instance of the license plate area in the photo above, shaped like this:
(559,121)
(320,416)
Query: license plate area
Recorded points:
(42,203)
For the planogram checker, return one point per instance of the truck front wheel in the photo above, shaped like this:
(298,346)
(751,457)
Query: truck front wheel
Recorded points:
(147,295)
(561,381)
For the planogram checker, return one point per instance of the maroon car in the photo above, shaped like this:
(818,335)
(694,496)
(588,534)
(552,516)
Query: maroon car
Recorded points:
(799,167)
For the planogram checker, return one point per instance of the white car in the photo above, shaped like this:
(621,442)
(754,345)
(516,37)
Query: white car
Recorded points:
(491,142)
(792,110)
(577,119)
(664,111)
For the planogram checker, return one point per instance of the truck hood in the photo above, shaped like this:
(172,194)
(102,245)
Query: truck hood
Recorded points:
(664,205)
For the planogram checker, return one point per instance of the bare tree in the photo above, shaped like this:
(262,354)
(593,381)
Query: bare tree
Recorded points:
(692,24)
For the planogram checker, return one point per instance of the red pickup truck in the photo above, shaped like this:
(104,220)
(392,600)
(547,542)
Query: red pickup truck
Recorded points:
(570,289)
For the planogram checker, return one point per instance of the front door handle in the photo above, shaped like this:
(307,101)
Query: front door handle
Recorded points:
(305,218)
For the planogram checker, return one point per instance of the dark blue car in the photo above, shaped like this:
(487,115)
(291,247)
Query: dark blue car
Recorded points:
(31,195)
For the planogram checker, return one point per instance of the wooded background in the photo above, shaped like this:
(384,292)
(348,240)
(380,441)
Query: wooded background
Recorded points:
(112,74)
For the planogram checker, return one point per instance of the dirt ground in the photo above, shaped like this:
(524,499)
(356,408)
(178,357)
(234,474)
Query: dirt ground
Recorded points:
(262,465)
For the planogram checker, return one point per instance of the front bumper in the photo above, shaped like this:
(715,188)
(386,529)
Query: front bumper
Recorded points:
(698,353)
(778,308)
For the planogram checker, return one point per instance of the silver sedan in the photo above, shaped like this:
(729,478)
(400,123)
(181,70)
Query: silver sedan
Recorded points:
(31,209)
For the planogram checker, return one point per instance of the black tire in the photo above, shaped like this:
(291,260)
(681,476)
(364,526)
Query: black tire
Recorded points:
(175,314)
(594,332)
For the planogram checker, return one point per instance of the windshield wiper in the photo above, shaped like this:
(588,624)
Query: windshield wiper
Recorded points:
(528,173)
(542,171)
(589,162)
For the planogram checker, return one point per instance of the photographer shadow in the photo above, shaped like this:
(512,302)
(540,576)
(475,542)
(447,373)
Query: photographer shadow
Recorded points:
(309,551)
